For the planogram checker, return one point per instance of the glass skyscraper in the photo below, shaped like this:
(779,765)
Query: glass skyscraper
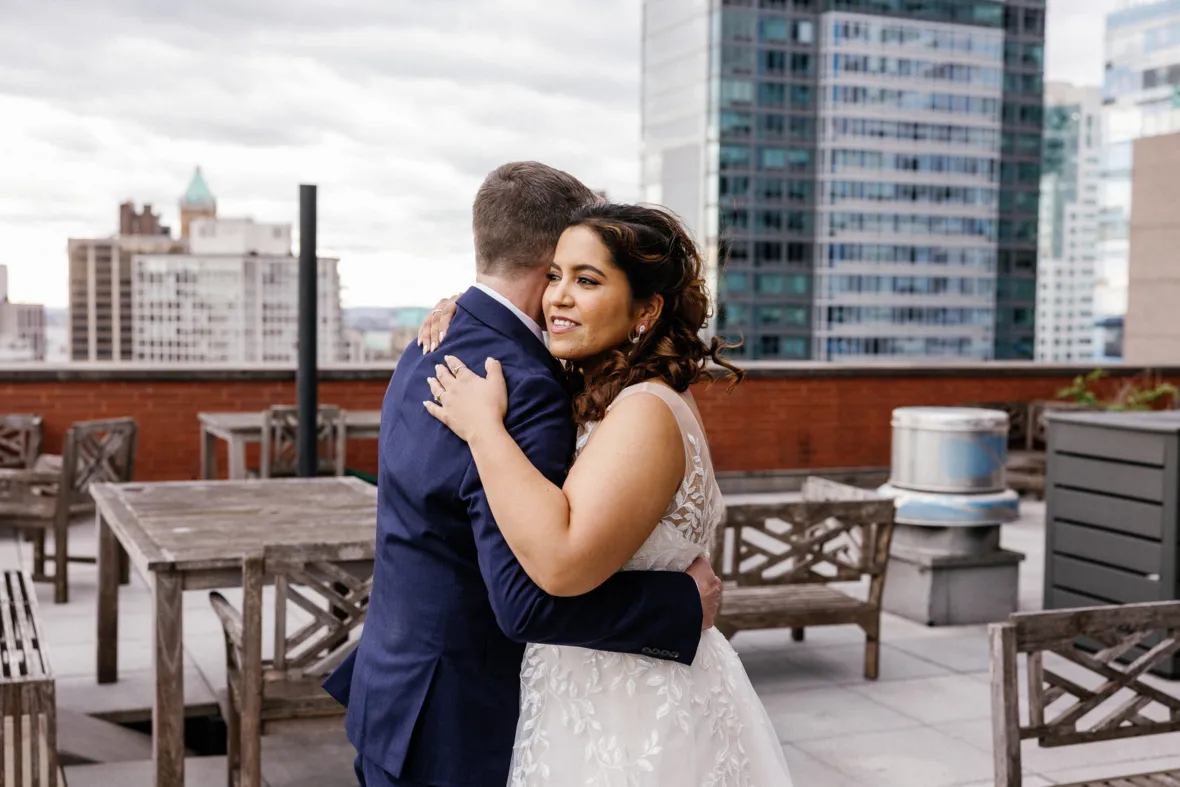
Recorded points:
(1068,254)
(864,174)
(1141,98)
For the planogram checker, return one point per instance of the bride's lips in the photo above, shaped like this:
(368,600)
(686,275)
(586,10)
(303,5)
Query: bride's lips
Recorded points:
(561,325)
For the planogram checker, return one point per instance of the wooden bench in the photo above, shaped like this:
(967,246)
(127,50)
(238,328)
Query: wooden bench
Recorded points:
(331,585)
(1115,645)
(779,561)
(28,705)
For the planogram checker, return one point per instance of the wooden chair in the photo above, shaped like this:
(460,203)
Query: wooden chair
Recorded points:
(42,500)
(1019,428)
(20,441)
(778,562)
(280,431)
(1025,471)
(331,584)
(1114,645)
(28,700)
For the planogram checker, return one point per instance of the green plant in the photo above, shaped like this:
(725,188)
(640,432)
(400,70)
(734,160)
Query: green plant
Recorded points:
(1079,390)
(1137,393)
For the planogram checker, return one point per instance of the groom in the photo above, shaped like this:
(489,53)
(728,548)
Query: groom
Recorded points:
(432,690)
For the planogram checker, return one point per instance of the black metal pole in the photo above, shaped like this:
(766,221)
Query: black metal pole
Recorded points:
(305,376)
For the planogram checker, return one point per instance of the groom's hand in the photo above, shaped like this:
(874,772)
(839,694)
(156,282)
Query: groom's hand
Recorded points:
(710,589)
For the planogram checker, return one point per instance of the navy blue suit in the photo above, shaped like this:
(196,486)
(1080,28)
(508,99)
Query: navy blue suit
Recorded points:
(432,690)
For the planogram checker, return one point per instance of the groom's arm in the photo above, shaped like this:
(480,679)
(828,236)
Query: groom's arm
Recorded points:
(655,613)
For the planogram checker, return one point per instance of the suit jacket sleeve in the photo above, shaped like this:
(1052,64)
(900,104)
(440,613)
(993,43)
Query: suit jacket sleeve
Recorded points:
(655,613)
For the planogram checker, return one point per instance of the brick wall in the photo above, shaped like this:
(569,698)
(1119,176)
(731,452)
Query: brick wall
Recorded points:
(784,417)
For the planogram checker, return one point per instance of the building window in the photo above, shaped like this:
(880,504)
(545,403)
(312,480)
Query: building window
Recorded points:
(768,251)
(793,347)
(773,158)
(736,124)
(736,314)
(737,58)
(773,63)
(737,91)
(772,95)
(798,253)
(734,156)
(735,219)
(737,282)
(737,26)
(798,159)
(800,97)
(774,30)
(772,126)
(804,31)
(733,186)
(769,315)
(770,283)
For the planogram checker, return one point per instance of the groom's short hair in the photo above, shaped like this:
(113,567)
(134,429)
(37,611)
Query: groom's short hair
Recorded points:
(519,213)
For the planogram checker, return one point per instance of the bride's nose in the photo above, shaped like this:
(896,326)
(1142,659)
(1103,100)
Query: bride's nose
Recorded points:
(559,294)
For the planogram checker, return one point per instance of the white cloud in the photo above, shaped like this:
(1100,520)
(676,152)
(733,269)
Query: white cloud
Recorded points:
(396,108)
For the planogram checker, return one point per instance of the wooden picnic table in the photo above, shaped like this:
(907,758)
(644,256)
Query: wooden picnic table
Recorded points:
(190,535)
(238,429)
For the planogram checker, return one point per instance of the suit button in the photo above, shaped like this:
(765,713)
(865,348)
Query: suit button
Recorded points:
(675,654)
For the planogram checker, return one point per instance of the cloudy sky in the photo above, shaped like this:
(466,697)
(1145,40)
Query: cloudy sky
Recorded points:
(395,108)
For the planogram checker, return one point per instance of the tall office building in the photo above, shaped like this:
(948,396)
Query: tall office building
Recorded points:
(233,298)
(1068,253)
(100,293)
(862,174)
(229,308)
(1141,96)
(22,327)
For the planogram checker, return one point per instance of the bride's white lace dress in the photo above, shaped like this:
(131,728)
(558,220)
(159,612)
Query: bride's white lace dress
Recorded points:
(595,719)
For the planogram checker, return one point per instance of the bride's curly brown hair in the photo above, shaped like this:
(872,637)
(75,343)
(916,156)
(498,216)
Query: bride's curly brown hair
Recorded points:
(651,246)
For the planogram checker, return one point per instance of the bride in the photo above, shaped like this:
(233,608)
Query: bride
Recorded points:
(624,309)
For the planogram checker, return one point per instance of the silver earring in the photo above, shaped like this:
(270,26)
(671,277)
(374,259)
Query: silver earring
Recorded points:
(635,339)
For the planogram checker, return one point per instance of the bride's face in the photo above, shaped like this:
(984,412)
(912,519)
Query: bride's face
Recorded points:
(588,305)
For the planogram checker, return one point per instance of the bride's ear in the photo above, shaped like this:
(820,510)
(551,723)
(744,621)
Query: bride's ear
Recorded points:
(648,312)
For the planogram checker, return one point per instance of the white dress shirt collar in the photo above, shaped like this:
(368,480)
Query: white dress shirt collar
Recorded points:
(529,322)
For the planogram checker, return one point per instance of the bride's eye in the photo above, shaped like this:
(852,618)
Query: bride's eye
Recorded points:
(552,277)
(587,282)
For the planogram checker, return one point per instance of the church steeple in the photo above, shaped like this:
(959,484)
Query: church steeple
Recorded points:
(197,202)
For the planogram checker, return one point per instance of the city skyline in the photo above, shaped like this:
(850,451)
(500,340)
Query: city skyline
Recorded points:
(267,97)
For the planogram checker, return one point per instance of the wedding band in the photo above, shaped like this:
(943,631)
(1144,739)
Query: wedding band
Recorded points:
(437,311)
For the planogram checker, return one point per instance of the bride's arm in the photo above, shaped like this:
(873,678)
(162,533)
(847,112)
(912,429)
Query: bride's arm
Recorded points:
(570,539)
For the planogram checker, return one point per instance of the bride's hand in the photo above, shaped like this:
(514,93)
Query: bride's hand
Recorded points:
(467,403)
(434,327)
